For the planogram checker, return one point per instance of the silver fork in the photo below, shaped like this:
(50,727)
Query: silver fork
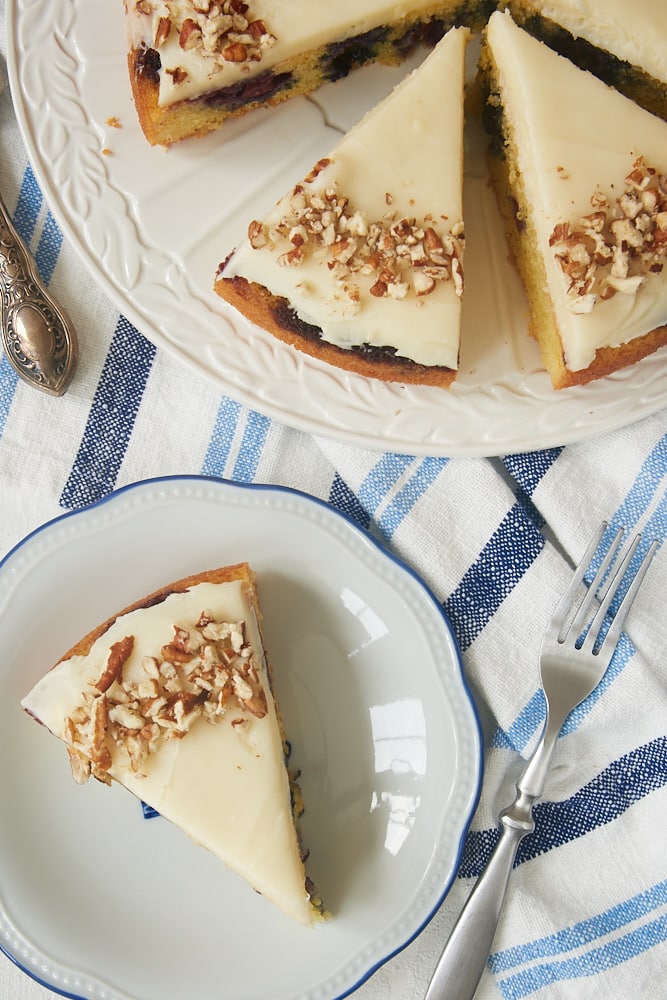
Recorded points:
(576,651)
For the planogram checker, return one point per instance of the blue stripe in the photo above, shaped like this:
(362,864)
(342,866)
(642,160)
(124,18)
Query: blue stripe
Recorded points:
(48,250)
(250,452)
(528,468)
(509,553)
(622,656)
(591,963)
(628,516)
(8,382)
(344,499)
(111,418)
(531,718)
(520,733)
(401,505)
(220,444)
(384,474)
(584,932)
(626,781)
(656,525)
(28,205)
(642,491)
(25,217)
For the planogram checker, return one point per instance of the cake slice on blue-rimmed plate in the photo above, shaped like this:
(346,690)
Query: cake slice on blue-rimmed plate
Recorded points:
(173,699)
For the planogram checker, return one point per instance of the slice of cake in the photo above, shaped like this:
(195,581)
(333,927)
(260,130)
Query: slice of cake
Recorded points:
(581,177)
(195,63)
(173,699)
(622,42)
(361,263)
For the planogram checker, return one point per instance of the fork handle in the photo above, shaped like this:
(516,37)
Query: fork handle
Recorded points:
(464,956)
(462,962)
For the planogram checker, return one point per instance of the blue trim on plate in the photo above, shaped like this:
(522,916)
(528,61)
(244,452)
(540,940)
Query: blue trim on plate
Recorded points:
(36,978)
(367,537)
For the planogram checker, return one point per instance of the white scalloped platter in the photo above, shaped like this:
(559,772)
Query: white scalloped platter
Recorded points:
(98,902)
(152,226)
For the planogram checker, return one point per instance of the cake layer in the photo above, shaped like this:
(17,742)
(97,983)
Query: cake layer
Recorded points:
(623,43)
(581,173)
(172,698)
(192,65)
(362,262)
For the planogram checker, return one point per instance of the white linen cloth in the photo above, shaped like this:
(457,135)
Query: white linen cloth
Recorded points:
(586,913)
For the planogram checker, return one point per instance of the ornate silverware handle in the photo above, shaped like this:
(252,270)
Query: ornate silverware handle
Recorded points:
(39,339)
(462,961)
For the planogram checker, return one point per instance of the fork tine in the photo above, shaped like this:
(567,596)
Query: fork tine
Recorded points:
(590,596)
(614,632)
(560,618)
(607,592)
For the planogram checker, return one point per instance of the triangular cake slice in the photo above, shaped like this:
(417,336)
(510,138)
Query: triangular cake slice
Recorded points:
(624,43)
(361,263)
(581,177)
(173,699)
(193,63)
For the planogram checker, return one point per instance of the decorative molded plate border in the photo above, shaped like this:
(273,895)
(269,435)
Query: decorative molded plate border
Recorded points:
(152,225)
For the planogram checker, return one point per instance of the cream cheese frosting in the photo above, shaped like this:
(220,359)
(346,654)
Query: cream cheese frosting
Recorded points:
(635,32)
(403,161)
(575,140)
(290,31)
(224,783)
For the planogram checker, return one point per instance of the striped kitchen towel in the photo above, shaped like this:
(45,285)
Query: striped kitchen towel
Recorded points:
(495,539)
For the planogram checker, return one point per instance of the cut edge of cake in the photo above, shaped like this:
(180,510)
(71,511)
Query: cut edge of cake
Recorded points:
(391,273)
(578,38)
(533,257)
(202,688)
(264,79)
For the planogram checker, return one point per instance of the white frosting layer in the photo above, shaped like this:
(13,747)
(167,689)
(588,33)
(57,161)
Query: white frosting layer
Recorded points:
(573,135)
(409,146)
(633,30)
(292,24)
(225,786)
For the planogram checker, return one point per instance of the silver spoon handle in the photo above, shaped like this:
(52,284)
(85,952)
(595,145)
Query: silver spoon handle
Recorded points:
(38,337)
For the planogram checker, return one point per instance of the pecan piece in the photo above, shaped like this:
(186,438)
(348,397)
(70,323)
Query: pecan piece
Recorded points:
(119,654)
(162,31)
(235,52)
(190,32)
(319,166)
(79,764)
(172,652)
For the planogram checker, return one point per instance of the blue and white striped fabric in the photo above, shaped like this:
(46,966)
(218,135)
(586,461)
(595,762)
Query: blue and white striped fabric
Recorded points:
(587,910)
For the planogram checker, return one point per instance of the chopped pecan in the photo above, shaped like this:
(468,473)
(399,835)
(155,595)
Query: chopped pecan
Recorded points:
(174,653)
(119,654)
(79,764)
(205,669)
(162,31)
(387,252)
(619,245)
(178,74)
(189,34)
